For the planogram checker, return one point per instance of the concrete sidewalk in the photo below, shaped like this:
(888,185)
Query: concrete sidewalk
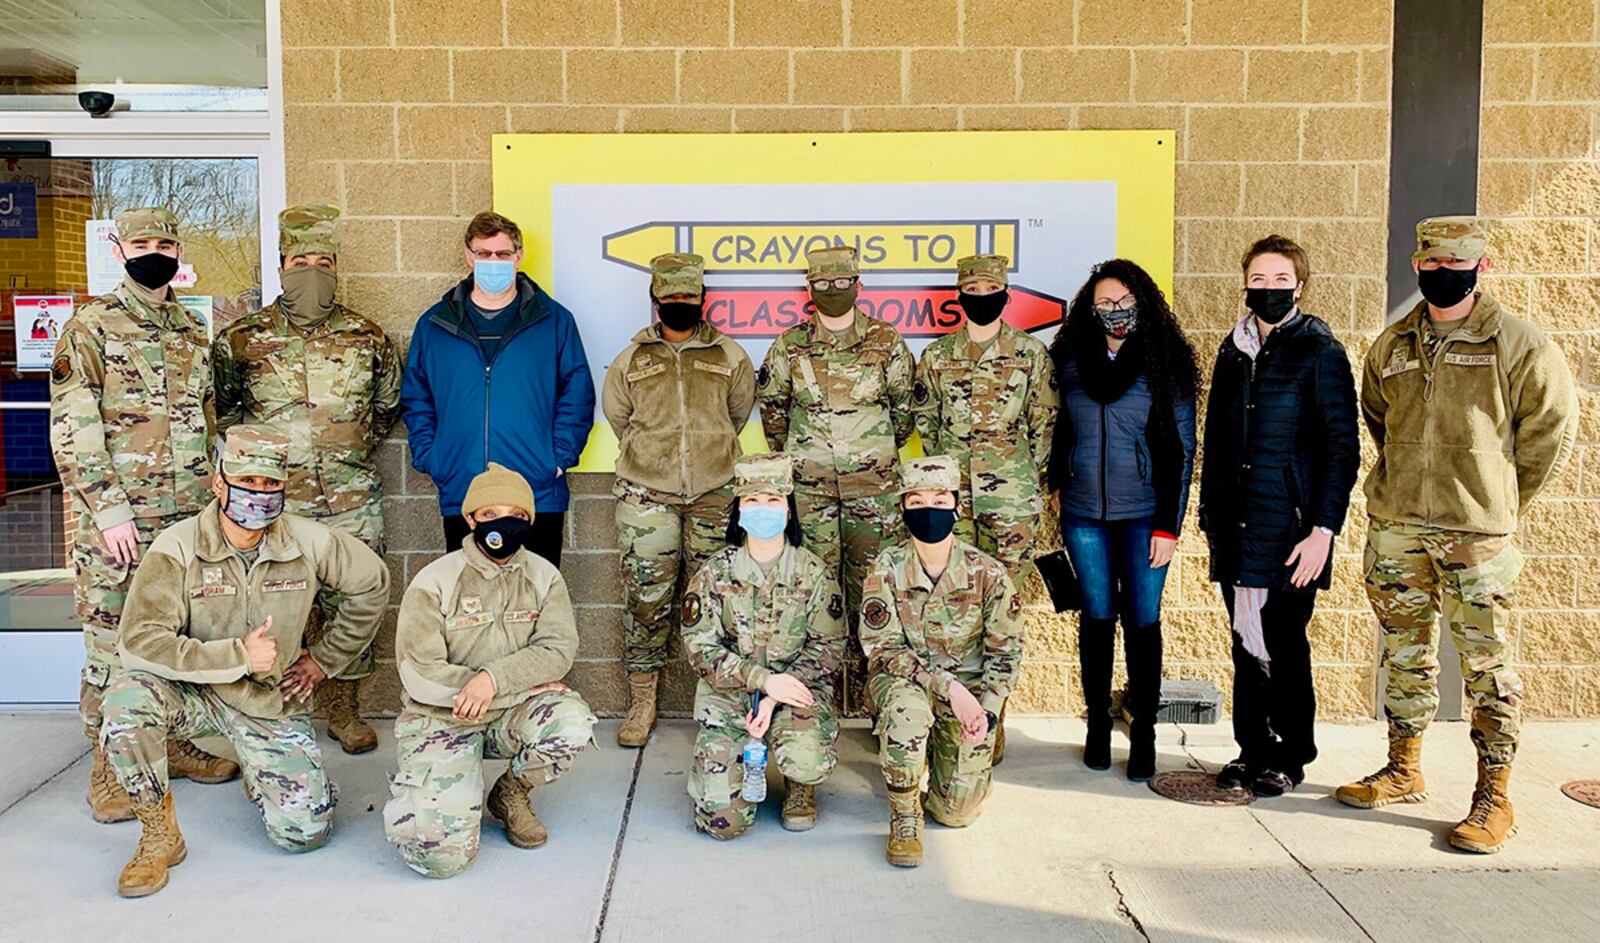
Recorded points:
(1061,853)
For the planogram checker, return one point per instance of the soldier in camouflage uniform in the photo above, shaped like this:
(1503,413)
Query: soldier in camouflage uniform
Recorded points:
(836,396)
(763,615)
(329,379)
(131,420)
(213,645)
(676,398)
(941,624)
(486,633)
(1473,411)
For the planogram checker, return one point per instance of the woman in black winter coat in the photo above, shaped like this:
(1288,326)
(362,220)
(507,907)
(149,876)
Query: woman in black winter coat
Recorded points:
(1282,452)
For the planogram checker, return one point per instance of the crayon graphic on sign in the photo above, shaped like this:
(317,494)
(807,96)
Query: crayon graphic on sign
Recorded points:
(915,311)
(895,246)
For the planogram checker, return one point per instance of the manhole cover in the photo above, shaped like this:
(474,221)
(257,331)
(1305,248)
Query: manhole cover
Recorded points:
(1586,791)
(1197,788)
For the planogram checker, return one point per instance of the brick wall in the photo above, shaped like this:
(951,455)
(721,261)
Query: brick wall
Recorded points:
(1281,110)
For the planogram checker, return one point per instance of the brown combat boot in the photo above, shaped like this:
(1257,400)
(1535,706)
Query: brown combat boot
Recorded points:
(187,761)
(344,717)
(641,719)
(998,754)
(1491,823)
(800,807)
(905,828)
(1400,780)
(108,801)
(160,847)
(509,802)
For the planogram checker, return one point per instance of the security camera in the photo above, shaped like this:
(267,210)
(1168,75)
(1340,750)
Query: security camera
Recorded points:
(97,104)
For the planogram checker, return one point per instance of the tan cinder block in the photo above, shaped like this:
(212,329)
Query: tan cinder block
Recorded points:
(677,118)
(791,23)
(1214,246)
(1505,188)
(1346,134)
(1345,247)
(380,691)
(367,246)
(1243,134)
(394,75)
(1299,189)
(352,23)
(461,132)
(314,181)
(621,77)
(1076,75)
(310,75)
(903,119)
(1548,692)
(1137,117)
(1329,298)
(1326,634)
(432,246)
(1547,582)
(1018,23)
(1051,635)
(1244,23)
(603,685)
(857,77)
(473,186)
(1508,73)
(898,23)
(772,120)
(1372,190)
(1116,23)
(1207,189)
(1309,76)
(1041,689)
(395,302)
(1568,188)
(1349,22)
(1017,118)
(1344,692)
(1535,21)
(561,22)
(1539,245)
(423,23)
(1577,299)
(735,76)
(567,118)
(313,132)
(1207,301)
(1190,635)
(1547,131)
(505,75)
(1569,73)
(1188,75)
(398,189)
(1376,69)
(674,22)
(969,76)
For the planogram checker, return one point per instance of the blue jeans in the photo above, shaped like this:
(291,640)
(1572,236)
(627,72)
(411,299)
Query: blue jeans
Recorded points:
(1112,559)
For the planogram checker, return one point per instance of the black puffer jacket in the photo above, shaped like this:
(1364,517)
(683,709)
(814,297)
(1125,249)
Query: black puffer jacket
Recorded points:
(1282,452)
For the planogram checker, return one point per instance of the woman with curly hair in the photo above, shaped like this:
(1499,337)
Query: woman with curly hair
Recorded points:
(1120,467)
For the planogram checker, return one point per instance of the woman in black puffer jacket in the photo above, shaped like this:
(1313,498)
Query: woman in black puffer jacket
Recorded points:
(1282,452)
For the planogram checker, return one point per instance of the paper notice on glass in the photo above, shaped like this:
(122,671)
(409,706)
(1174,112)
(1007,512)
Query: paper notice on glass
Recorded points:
(39,319)
(185,277)
(201,306)
(105,272)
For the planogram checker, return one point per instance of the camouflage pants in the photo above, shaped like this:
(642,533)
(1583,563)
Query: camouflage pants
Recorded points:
(803,747)
(1000,518)
(918,732)
(364,523)
(279,758)
(436,796)
(663,543)
(847,534)
(1410,569)
(100,587)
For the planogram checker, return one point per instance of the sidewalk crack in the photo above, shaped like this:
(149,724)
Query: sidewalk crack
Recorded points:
(46,781)
(616,850)
(1123,910)
(1310,874)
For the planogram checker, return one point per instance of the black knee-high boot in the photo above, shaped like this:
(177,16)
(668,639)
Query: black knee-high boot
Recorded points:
(1143,646)
(1096,645)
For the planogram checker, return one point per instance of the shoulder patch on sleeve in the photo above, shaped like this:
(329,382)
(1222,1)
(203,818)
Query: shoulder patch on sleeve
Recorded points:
(763,376)
(691,610)
(836,606)
(875,613)
(1016,605)
(919,393)
(61,369)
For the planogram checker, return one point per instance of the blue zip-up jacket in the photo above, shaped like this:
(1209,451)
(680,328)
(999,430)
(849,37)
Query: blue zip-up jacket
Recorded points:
(530,408)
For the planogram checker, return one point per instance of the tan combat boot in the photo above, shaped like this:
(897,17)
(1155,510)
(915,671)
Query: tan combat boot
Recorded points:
(998,754)
(905,828)
(509,802)
(160,847)
(344,717)
(1491,823)
(641,719)
(1400,780)
(800,807)
(108,801)
(187,761)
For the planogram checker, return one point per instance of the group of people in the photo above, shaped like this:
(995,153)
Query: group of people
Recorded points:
(228,541)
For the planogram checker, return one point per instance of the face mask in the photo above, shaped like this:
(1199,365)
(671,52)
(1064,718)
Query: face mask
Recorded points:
(983,309)
(1118,323)
(493,276)
(761,522)
(678,315)
(308,295)
(1446,287)
(835,302)
(153,270)
(1271,305)
(252,510)
(930,525)
(503,536)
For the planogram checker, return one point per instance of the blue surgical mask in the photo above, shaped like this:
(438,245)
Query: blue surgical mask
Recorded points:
(253,510)
(493,275)
(761,522)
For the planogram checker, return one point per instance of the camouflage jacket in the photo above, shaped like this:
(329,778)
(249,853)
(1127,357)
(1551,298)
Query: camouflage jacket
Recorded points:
(677,413)
(967,626)
(740,626)
(131,409)
(194,599)
(464,613)
(840,404)
(335,392)
(992,408)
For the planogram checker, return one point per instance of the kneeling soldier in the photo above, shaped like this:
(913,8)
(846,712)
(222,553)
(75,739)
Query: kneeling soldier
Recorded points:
(211,646)
(485,635)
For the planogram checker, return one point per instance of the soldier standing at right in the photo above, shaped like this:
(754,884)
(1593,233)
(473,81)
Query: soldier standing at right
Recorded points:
(1473,411)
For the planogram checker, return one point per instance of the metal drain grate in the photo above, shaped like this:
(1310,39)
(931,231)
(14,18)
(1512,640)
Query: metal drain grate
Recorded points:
(1197,788)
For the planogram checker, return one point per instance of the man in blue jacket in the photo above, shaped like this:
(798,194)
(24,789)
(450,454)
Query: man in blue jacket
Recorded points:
(497,373)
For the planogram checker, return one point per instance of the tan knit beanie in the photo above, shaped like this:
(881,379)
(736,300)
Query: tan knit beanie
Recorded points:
(497,486)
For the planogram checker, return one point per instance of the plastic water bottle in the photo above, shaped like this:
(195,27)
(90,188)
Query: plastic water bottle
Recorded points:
(755,762)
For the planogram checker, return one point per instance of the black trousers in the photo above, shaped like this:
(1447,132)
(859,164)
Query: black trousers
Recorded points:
(544,541)
(1275,711)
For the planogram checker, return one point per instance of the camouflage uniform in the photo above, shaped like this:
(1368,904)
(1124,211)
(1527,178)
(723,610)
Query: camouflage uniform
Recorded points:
(919,635)
(992,408)
(741,625)
(131,420)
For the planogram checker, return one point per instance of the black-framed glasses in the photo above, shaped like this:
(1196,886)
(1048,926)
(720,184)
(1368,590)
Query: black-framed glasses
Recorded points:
(1120,307)
(840,284)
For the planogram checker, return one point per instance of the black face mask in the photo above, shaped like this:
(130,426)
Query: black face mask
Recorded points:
(1446,287)
(1271,305)
(930,525)
(679,315)
(153,270)
(503,536)
(983,309)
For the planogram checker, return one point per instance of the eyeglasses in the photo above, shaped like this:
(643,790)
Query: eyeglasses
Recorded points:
(1120,307)
(823,284)
(484,255)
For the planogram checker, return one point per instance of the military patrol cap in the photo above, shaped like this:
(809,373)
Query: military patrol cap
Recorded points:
(763,473)
(976,268)
(677,273)
(256,450)
(1441,237)
(832,262)
(147,222)
(930,473)
(311,229)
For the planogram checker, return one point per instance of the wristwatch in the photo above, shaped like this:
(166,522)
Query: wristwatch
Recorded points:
(1325,530)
